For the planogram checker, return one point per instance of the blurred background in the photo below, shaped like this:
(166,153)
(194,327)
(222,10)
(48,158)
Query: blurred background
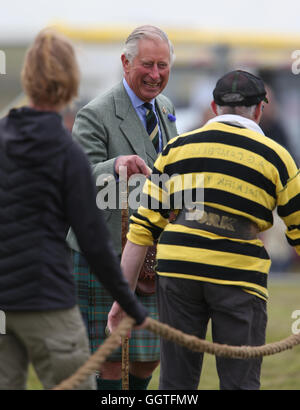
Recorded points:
(210,38)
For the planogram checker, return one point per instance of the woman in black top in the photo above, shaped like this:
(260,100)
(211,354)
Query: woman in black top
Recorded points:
(45,187)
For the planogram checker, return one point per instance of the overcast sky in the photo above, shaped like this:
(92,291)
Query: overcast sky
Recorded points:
(23,19)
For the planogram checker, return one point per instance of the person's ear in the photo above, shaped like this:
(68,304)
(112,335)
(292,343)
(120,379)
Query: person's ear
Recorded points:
(125,63)
(214,107)
(258,111)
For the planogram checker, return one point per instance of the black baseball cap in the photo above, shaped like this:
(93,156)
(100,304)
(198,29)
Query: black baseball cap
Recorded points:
(239,88)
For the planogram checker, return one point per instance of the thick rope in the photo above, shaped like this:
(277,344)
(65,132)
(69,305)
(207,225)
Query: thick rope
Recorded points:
(204,346)
(176,336)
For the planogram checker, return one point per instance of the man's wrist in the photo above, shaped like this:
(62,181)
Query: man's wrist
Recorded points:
(116,174)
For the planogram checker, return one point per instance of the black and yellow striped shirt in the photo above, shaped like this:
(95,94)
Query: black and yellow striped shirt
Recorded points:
(244,173)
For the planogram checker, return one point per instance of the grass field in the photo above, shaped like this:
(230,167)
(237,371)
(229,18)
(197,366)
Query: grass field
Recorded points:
(280,371)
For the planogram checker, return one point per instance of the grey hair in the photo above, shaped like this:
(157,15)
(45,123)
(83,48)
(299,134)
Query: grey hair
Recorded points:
(130,49)
(242,110)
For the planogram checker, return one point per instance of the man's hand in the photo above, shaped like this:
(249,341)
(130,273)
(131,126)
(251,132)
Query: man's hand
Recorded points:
(134,165)
(115,315)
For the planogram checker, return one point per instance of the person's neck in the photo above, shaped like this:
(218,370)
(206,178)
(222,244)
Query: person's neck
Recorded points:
(249,123)
(44,107)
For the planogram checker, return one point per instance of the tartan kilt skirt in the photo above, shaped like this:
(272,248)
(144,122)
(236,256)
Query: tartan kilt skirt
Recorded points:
(95,303)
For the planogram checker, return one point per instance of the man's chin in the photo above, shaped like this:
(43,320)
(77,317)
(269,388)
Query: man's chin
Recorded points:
(149,95)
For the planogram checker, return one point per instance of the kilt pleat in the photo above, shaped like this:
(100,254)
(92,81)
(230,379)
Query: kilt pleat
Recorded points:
(95,303)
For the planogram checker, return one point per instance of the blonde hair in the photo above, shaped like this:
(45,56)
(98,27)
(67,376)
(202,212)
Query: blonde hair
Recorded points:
(50,74)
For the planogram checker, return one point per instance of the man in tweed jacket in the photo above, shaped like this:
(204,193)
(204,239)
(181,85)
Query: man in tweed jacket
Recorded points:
(112,131)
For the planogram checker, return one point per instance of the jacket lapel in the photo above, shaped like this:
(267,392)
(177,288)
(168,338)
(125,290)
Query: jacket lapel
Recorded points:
(168,128)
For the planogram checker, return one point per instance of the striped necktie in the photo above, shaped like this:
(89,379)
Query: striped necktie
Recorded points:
(152,125)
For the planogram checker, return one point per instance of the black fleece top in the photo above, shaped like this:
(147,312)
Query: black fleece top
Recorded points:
(46,186)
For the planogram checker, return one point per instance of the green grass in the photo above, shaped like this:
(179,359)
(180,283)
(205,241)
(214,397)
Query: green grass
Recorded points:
(280,371)
(33,381)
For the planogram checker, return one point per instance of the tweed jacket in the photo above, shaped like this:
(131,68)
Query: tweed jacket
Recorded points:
(108,127)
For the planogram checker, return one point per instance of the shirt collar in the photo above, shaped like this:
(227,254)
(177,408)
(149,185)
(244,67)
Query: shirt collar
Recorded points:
(136,101)
(238,120)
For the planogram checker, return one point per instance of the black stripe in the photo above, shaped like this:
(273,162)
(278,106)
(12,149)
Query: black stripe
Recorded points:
(186,198)
(158,179)
(152,203)
(155,231)
(292,206)
(235,140)
(197,165)
(238,203)
(219,245)
(293,242)
(212,271)
(292,227)
(155,171)
(181,141)
(216,196)
(149,202)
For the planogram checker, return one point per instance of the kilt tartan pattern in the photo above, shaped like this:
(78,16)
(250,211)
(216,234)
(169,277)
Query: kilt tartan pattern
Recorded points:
(95,303)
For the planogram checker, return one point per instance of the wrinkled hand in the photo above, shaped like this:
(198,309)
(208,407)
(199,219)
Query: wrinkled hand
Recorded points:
(115,315)
(134,165)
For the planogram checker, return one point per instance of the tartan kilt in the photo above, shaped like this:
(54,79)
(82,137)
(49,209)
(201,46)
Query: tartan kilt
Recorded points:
(95,303)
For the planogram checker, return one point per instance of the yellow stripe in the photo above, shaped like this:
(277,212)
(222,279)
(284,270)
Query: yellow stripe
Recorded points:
(222,151)
(222,182)
(290,190)
(154,132)
(140,236)
(265,140)
(236,154)
(257,294)
(156,192)
(213,257)
(182,36)
(292,219)
(153,216)
(184,229)
(139,221)
(260,289)
(181,182)
(293,234)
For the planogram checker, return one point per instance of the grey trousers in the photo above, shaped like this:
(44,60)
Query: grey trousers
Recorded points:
(55,342)
(237,318)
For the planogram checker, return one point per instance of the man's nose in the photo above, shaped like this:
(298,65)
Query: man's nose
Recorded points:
(154,72)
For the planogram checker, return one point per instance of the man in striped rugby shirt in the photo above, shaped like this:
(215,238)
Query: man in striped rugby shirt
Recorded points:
(214,266)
